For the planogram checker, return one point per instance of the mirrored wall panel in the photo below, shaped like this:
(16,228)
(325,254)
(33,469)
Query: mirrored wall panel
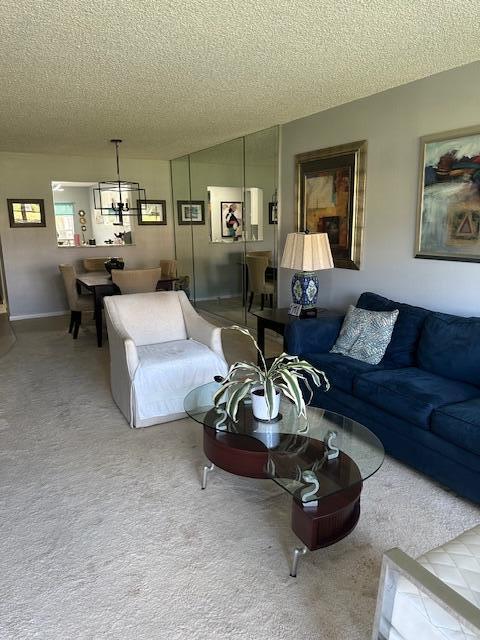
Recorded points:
(226,224)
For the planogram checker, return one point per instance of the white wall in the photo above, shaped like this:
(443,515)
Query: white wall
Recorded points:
(392,123)
(31,255)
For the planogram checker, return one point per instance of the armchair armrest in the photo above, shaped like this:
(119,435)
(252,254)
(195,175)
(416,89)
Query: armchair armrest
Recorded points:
(312,334)
(123,351)
(199,329)
(404,580)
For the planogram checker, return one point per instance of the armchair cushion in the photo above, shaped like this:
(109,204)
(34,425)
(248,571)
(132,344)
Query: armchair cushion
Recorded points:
(148,318)
(167,371)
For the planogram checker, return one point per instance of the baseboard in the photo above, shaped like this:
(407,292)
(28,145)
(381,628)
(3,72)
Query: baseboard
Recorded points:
(31,316)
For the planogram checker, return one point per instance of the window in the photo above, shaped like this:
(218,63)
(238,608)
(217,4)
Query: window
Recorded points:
(64,222)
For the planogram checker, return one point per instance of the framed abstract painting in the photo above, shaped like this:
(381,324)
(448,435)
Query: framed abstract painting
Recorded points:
(448,214)
(330,194)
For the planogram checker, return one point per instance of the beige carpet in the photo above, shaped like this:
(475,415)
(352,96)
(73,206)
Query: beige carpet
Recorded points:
(104,532)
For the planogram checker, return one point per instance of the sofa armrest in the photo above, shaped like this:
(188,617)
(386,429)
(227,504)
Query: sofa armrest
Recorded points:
(312,335)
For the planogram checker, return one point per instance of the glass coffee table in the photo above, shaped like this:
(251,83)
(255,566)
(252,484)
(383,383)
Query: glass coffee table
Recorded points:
(321,460)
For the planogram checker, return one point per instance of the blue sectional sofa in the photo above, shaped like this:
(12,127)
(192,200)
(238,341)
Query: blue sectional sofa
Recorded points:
(422,400)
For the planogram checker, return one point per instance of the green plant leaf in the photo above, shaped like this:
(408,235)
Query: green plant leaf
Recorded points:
(291,382)
(234,400)
(269,390)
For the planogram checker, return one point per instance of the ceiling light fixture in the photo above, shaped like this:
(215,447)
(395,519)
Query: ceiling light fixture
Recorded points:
(118,197)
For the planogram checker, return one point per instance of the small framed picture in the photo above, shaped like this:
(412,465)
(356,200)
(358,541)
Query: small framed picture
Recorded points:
(152,211)
(26,212)
(191,211)
(295,309)
(272,213)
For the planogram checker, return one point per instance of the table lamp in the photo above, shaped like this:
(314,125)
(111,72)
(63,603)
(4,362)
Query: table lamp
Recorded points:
(306,253)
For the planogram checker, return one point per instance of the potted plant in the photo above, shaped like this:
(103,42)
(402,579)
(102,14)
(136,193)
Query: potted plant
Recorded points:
(265,384)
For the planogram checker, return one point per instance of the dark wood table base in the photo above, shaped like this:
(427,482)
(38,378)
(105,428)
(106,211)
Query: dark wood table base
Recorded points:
(321,526)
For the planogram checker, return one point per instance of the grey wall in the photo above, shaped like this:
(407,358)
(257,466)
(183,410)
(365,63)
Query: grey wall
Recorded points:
(392,123)
(31,255)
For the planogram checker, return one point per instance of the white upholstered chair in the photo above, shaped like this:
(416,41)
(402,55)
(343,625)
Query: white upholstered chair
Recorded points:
(436,597)
(160,349)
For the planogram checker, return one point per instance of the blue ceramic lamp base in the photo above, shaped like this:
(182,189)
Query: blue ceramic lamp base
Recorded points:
(305,290)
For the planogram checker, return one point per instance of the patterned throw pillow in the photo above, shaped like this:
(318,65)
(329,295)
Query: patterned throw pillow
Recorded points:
(365,335)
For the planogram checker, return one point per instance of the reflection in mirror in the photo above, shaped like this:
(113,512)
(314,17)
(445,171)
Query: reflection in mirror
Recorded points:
(231,218)
(226,203)
(79,224)
(187,214)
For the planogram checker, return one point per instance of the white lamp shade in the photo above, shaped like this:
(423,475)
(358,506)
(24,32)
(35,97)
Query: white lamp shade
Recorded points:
(307,252)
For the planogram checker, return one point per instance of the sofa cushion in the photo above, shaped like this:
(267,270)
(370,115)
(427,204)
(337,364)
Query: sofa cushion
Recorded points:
(401,351)
(459,424)
(410,393)
(450,346)
(340,370)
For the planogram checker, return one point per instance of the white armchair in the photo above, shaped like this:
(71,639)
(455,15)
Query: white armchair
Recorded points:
(436,597)
(160,349)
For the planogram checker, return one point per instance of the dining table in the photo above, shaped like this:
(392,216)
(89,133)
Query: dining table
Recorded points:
(100,284)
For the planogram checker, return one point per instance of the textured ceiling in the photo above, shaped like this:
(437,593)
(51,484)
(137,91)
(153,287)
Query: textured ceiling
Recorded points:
(172,76)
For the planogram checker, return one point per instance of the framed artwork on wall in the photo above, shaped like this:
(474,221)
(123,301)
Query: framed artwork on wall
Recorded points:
(330,197)
(26,212)
(152,212)
(191,211)
(232,219)
(448,212)
(272,213)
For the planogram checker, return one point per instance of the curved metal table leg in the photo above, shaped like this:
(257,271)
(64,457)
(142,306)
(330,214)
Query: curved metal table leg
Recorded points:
(298,552)
(206,470)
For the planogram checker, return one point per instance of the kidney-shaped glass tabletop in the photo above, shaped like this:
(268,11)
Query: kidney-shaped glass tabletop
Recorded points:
(311,457)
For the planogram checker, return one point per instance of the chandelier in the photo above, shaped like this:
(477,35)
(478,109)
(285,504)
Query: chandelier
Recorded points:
(119,197)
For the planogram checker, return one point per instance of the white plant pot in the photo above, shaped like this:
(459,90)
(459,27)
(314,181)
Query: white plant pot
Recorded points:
(259,404)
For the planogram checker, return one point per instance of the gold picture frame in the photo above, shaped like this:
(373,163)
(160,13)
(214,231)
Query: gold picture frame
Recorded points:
(330,198)
(448,207)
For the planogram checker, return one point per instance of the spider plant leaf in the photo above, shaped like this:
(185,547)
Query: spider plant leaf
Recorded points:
(220,392)
(234,400)
(269,390)
(247,333)
(294,388)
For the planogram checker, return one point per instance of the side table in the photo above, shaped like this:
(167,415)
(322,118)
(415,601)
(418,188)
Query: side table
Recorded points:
(277,320)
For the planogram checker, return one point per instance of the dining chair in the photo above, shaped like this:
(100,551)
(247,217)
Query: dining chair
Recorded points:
(257,266)
(269,254)
(76,302)
(136,280)
(94,264)
(169,268)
